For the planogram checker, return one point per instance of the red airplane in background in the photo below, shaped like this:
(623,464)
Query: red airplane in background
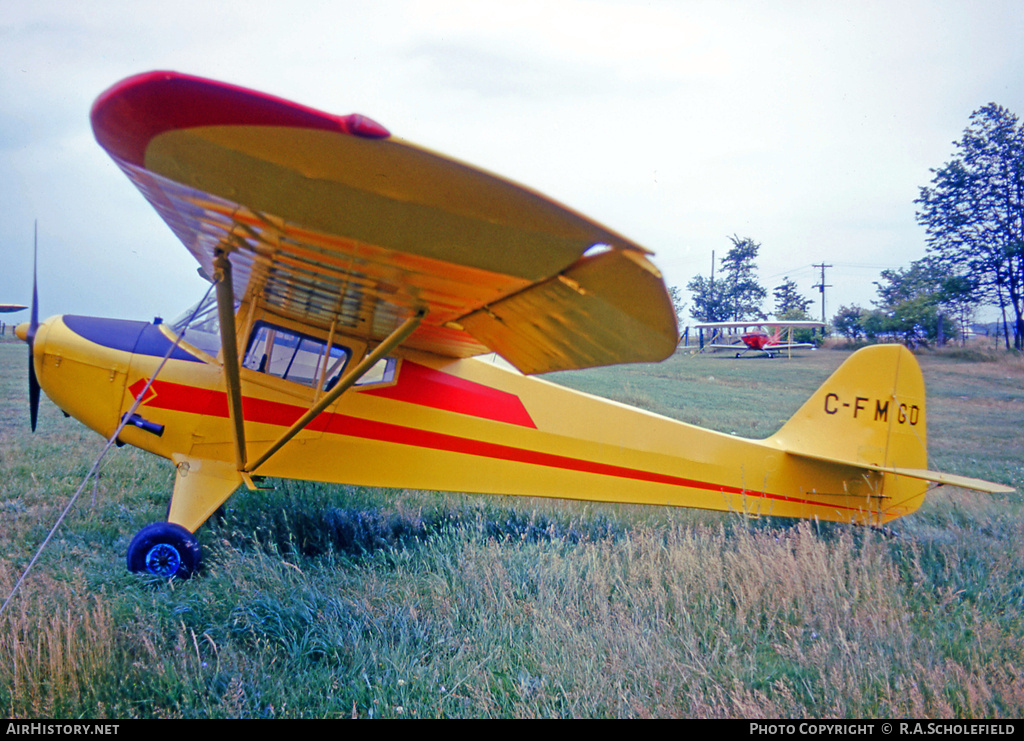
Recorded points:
(769,338)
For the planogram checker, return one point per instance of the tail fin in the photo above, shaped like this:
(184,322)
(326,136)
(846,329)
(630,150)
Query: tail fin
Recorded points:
(871,414)
(871,410)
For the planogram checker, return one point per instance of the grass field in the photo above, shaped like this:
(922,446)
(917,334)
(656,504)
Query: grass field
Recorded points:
(321,601)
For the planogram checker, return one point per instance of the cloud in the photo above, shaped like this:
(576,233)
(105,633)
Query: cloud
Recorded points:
(808,127)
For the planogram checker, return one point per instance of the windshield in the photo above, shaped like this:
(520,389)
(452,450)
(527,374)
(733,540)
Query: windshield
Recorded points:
(204,331)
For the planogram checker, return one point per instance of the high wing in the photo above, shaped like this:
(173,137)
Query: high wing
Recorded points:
(788,346)
(332,222)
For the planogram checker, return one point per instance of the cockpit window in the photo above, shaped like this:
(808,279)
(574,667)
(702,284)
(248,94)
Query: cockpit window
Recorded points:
(383,371)
(303,359)
(294,357)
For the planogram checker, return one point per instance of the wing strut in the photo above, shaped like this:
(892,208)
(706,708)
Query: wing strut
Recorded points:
(390,343)
(229,344)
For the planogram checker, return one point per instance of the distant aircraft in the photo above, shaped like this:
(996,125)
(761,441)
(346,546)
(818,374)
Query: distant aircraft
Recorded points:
(7,309)
(768,338)
(356,277)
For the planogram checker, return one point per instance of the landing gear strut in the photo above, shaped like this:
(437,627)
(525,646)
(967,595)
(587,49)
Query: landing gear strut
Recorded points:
(165,550)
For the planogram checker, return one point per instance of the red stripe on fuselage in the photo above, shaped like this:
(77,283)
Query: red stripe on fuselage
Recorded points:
(177,397)
(418,384)
(192,400)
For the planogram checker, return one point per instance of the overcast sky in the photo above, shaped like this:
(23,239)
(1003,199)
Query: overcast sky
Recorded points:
(806,126)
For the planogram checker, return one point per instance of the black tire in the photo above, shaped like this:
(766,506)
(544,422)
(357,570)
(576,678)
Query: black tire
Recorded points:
(166,550)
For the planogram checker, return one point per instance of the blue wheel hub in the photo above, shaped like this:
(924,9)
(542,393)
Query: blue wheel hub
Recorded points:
(163,560)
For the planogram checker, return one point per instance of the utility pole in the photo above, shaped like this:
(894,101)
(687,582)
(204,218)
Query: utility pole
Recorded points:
(711,290)
(821,289)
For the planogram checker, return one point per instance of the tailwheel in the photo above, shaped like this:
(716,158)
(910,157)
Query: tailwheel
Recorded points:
(165,550)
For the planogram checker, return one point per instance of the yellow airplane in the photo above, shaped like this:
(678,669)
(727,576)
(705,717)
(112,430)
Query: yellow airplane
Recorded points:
(356,278)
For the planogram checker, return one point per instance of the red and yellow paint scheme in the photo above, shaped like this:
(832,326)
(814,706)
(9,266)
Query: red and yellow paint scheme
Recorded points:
(362,284)
(767,338)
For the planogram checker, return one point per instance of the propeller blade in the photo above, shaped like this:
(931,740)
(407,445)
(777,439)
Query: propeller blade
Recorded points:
(33,391)
(33,325)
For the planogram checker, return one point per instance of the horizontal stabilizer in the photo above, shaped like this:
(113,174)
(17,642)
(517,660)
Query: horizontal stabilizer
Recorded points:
(938,477)
(952,479)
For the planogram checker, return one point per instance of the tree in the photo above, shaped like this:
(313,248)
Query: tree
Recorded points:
(875,324)
(737,295)
(708,300)
(959,297)
(676,295)
(917,321)
(905,284)
(909,303)
(789,304)
(743,294)
(974,211)
(849,322)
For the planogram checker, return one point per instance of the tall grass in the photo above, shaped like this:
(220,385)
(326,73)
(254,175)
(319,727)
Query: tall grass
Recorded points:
(54,650)
(320,601)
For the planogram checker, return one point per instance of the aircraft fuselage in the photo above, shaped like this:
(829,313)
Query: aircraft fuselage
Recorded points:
(423,422)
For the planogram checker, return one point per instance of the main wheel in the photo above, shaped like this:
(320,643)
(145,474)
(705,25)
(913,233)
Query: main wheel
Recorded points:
(166,550)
